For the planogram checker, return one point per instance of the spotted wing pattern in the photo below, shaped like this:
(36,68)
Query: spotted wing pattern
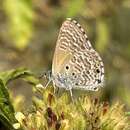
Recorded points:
(76,59)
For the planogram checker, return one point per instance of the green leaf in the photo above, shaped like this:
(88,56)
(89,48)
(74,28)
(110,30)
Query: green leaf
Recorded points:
(7,111)
(23,73)
(6,122)
(5,104)
(6,107)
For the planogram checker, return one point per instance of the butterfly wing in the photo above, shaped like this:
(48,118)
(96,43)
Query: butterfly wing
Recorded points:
(67,40)
(75,56)
(89,68)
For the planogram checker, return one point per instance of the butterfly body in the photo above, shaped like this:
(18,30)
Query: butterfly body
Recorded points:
(76,65)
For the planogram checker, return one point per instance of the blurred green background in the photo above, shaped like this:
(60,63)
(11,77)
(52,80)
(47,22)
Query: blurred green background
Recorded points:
(29,30)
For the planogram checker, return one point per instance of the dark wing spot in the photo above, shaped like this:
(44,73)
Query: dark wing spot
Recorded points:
(99,81)
(76,83)
(95,88)
(86,39)
(73,73)
(67,67)
(75,76)
(88,72)
(97,70)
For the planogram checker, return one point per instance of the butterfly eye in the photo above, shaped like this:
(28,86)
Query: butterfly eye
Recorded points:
(97,70)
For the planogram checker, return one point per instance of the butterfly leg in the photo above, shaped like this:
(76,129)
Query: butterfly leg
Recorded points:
(57,90)
(47,75)
(71,94)
(54,86)
(47,84)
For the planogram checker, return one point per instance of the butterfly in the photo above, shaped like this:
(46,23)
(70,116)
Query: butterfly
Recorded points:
(76,65)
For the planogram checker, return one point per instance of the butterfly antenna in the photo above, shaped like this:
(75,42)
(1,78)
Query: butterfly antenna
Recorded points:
(48,75)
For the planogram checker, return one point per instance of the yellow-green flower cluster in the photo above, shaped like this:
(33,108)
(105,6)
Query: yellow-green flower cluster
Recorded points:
(51,112)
